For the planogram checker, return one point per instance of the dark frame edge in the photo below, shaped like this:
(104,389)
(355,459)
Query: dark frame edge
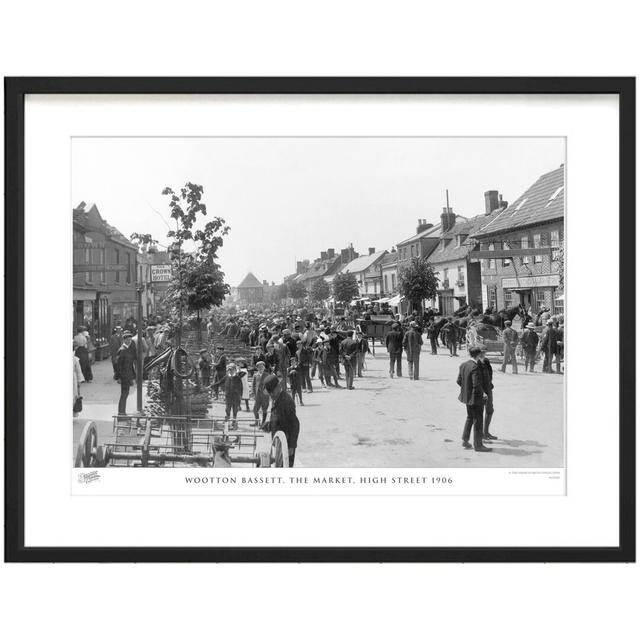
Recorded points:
(15,90)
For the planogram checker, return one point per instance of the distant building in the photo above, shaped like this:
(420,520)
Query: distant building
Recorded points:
(519,248)
(389,272)
(250,290)
(367,271)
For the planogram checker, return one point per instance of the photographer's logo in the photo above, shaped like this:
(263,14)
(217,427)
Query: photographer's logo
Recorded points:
(87,478)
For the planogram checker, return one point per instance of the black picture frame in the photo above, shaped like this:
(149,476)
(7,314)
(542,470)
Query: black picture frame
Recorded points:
(15,91)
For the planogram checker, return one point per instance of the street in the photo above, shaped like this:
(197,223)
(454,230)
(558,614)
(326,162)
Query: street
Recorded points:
(398,422)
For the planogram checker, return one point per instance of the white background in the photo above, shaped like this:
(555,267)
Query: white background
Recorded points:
(53,517)
(372,38)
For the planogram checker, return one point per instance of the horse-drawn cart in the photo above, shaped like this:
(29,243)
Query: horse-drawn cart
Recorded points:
(145,441)
(485,335)
(376,328)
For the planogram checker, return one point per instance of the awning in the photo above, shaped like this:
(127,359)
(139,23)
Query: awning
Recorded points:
(383,300)
(560,297)
(83,294)
(395,301)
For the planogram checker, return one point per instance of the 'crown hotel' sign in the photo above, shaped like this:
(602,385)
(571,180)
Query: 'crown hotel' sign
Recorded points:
(160,273)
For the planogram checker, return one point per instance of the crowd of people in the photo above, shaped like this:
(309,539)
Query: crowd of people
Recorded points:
(293,350)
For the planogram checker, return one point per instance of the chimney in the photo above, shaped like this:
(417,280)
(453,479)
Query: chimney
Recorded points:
(448,219)
(503,204)
(331,253)
(372,250)
(491,201)
(323,255)
(344,256)
(265,283)
(300,266)
(423,225)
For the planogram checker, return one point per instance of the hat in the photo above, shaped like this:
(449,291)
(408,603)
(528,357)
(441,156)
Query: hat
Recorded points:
(220,347)
(413,324)
(260,362)
(531,326)
(203,351)
(271,383)
(507,323)
(127,334)
(286,332)
(549,321)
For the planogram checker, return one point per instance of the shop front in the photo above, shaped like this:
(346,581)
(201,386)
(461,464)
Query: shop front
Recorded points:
(91,310)
(533,293)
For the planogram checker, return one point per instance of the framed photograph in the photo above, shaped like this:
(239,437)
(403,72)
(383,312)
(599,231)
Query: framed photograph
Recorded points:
(320,319)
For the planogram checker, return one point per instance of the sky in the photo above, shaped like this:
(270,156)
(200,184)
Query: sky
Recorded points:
(288,199)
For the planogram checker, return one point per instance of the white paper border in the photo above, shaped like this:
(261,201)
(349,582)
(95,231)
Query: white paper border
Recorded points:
(54,518)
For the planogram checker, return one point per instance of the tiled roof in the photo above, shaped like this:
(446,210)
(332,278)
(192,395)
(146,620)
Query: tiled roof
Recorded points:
(390,258)
(250,282)
(88,216)
(319,268)
(466,228)
(363,262)
(541,202)
(432,232)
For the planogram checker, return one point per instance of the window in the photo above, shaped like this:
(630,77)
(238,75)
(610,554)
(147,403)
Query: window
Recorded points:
(508,298)
(555,244)
(393,281)
(445,278)
(536,245)
(461,276)
(506,262)
(524,244)
(117,262)
(87,260)
(386,283)
(540,299)
(558,306)
(492,262)
(412,251)
(128,268)
(492,297)
(103,273)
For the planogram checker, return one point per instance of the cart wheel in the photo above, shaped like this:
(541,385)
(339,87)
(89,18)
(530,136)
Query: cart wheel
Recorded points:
(279,450)
(86,452)
(264,459)
(102,456)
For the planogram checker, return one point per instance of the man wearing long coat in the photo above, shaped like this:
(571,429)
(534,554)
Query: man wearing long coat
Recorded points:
(412,344)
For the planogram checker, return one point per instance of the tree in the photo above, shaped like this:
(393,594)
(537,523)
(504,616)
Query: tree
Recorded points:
(297,290)
(320,290)
(345,287)
(198,282)
(418,281)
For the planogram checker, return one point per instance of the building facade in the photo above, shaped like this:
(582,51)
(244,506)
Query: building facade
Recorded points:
(519,249)
(250,290)
(367,271)
(104,275)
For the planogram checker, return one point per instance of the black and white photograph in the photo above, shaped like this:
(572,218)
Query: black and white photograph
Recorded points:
(318,302)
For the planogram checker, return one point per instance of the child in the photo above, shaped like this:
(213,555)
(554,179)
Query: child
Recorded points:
(243,374)
(204,365)
(232,391)
(260,395)
(295,382)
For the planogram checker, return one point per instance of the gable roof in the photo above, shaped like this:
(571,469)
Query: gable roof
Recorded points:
(542,202)
(431,232)
(363,262)
(250,282)
(465,228)
(389,259)
(89,218)
(319,268)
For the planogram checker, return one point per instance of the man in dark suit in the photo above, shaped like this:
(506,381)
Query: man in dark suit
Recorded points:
(487,383)
(394,347)
(510,340)
(473,396)
(126,369)
(283,415)
(349,353)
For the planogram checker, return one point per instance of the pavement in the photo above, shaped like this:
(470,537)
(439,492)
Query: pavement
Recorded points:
(399,422)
